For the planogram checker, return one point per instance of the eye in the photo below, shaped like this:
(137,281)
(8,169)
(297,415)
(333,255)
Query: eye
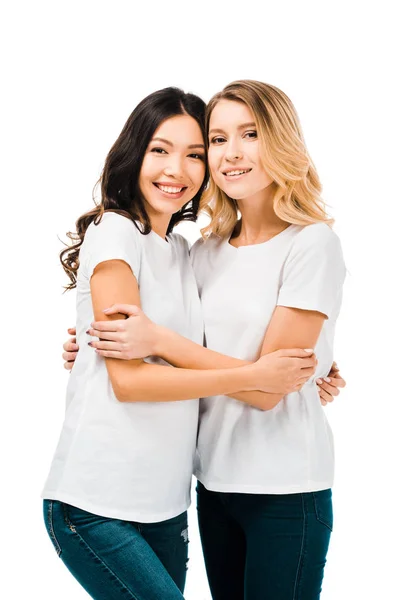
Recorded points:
(158,150)
(251,134)
(218,139)
(197,156)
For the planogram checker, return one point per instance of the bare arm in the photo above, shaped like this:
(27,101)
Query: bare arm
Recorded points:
(138,336)
(184,353)
(135,380)
(291,326)
(144,338)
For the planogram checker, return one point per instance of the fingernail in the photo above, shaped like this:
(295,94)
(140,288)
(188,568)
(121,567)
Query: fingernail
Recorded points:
(319,381)
(327,379)
(90,344)
(87,331)
(308,350)
(107,310)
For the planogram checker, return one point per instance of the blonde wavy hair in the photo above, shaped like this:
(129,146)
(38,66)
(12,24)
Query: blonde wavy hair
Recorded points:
(284,156)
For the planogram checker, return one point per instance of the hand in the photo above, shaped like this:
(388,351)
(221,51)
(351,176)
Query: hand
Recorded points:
(135,337)
(285,371)
(329,386)
(71,349)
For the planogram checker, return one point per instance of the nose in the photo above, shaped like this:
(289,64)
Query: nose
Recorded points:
(233,151)
(174,167)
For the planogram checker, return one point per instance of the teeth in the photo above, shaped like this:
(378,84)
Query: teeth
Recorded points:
(169,189)
(231,173)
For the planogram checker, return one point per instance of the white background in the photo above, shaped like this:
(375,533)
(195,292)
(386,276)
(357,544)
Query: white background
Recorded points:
(72,73)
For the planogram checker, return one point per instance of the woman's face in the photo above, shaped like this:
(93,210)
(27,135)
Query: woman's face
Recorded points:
(173,167)
(234,151)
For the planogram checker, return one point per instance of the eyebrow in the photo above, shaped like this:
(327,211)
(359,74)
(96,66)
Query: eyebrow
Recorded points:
(158,139)
(243,126)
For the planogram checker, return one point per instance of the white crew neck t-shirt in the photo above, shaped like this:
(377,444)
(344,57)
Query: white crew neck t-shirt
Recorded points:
(130,461)
(288,449)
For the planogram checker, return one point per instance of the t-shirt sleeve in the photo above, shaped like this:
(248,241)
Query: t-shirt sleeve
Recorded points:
(314,271)
(114,238)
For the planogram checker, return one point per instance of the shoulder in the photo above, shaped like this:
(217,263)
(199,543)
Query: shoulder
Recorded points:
(113,228)
(113,221)
(315,247)
(316,237)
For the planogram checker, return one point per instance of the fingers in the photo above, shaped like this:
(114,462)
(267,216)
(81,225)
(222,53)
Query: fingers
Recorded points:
(105,335)
(307,363)
(324,397)
(72,331)
(335,382)
(109,354)
(338,381)
(69,356)
(125,309)
(71,345)
(296,353)
(102,345)
(119,325)
(306,373)
(68,365)
(329,389)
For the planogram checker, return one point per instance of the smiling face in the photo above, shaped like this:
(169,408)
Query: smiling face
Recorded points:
(173,167)
(234,151)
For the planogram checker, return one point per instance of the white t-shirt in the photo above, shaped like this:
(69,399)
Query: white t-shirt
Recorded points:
(289,448)
(130,461)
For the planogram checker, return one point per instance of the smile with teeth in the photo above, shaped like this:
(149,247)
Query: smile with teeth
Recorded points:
(237,172)
(170,189)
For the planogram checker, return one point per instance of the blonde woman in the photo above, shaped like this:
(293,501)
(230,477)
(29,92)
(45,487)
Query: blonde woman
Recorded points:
(268,279)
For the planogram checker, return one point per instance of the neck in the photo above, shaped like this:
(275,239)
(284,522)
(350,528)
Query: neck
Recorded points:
(259,222)
(159,222)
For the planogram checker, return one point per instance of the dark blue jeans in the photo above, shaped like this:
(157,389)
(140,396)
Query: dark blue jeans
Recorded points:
(114,559)
(264,547)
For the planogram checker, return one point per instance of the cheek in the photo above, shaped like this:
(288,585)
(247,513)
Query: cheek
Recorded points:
(196,174)
(150,170)
(213,163)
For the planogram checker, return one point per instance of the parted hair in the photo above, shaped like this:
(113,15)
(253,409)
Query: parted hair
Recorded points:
(284,155)
(119,181)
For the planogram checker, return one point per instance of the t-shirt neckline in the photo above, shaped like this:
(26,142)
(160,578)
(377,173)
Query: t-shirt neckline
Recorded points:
(261,244)
(163,242)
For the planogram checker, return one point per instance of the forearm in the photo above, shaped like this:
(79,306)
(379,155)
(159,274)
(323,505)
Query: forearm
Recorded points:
(183,353)
(155,383)
(257,399)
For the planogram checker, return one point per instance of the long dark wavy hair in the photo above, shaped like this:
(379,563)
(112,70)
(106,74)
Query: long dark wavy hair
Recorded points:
(119,180)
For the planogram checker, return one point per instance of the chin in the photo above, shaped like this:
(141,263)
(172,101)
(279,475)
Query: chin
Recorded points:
(165,208)
(237,193)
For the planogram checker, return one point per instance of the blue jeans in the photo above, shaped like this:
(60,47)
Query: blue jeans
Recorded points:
(120,560)
(264,547)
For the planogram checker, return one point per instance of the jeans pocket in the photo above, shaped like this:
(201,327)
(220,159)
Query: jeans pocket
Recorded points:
(323,507)
(48,508)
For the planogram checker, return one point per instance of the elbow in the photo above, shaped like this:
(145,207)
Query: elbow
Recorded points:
(125,387)
(120,392)
(270,403)
(123,392)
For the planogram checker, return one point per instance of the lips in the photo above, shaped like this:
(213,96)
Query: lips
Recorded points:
(235,172)
(170,189)
(175,192)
